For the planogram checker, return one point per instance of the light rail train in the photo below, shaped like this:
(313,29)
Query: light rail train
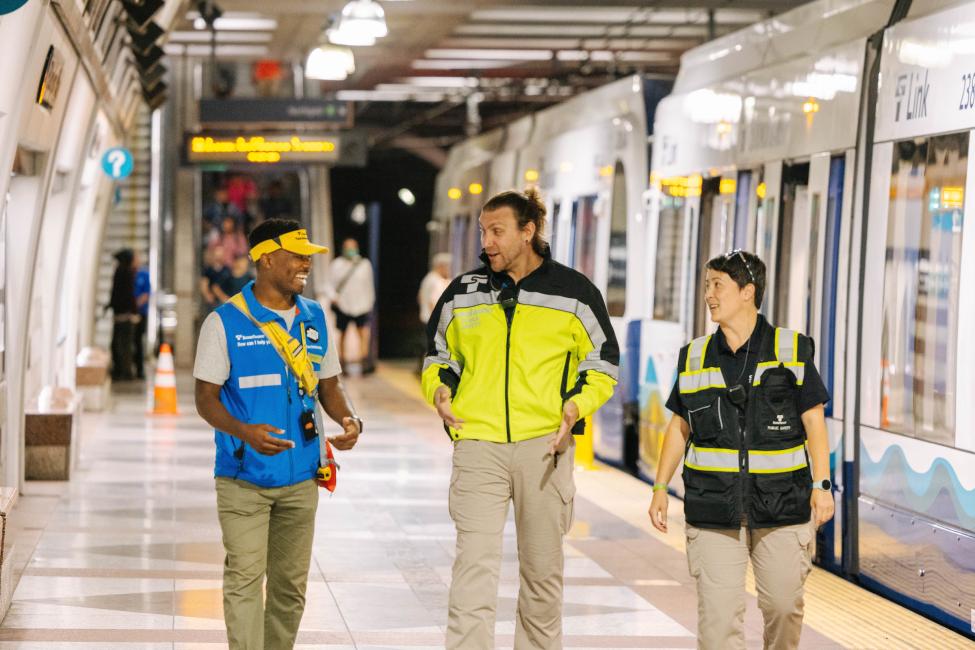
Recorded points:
(834,142)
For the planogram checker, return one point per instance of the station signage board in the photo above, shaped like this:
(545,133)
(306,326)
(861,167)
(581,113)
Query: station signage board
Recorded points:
(263,148)
(315,113)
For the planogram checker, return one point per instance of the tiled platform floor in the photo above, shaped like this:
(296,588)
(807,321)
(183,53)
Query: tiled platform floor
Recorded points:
(128,554)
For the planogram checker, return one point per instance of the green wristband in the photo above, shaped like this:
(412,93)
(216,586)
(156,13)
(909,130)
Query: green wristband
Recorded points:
(659,486)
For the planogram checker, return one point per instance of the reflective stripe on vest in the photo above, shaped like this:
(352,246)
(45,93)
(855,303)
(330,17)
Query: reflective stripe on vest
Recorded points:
(786,345)
(775,462)
(710,459)
(697,380)
(695,353)
(696,377)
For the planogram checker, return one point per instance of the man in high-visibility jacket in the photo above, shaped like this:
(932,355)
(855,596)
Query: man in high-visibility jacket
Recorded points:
(262,361)
(520,350)
(748,409)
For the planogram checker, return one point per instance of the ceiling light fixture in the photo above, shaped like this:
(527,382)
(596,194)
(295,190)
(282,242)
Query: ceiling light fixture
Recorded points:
(360,23)
(329,62)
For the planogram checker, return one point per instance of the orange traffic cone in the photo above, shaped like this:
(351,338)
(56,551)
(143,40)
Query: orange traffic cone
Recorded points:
(164,397)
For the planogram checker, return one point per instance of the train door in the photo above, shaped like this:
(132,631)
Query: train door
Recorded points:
(790,260)
(768,193)
(806,290)
(712,239)
(584,235)
(554,215)
(458,235)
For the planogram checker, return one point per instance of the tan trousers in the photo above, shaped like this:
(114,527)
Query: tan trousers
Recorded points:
(265,531)
(486,476)
(781,559)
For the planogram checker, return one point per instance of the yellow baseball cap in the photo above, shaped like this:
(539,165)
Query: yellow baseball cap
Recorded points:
(295,241)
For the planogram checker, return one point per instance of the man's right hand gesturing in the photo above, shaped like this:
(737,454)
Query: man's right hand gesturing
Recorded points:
(441,400)
(259,436)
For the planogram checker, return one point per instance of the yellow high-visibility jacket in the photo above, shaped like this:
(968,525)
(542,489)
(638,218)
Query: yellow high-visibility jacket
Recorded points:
(513,354)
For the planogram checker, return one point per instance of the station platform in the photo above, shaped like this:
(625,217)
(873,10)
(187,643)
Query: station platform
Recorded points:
(128,553)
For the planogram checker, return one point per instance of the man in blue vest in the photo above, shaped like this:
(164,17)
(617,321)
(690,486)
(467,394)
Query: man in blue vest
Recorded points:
(263,359)
(749,421)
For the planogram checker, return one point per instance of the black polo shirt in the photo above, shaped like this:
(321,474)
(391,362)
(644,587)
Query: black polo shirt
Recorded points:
(739,368)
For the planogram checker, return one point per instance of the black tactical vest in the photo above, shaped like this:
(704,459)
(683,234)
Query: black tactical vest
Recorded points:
(760,471)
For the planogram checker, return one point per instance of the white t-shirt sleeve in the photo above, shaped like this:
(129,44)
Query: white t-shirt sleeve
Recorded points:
(212,359)
(330,366)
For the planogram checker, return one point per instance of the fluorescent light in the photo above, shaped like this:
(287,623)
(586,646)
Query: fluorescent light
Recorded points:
(458,64)
(441,82)
(236,20)
(572,55)
(177,49)
(513,55)
(222,37)
(329,63)
(387,96)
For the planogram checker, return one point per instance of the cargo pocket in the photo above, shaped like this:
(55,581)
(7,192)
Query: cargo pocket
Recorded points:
(711,498)
(804,535)
(565,485)
(460,447)
(706,421)
(693,563)
(774,499)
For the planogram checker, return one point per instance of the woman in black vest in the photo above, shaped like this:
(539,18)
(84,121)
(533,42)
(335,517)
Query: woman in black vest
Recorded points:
(749,419)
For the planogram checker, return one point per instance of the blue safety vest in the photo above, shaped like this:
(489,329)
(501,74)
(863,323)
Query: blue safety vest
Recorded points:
(262,390)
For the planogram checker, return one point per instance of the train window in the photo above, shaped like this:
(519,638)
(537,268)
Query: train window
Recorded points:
(921,282)
(584,216)
(710,242)
(553,237)
(670,240)
(616,286)
(792,263)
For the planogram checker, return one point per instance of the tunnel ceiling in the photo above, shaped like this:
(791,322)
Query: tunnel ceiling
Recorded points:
(516,57)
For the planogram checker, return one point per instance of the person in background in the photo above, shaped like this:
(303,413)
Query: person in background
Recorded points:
(125,314)
(749,421)
(221,207)
(432,287)
(275,204)
(212,276)
(231,241)
(353,295)
(239,276)
(142,291)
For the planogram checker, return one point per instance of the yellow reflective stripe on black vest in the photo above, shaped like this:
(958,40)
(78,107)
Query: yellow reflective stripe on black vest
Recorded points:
(778,461)
(695,376)
(710,459)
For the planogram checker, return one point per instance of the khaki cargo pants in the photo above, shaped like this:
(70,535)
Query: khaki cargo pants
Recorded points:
(265,531)
(486,476)
(781,559)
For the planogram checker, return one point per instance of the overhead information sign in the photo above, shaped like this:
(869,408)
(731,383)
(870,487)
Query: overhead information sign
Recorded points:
(117,163)
(263,148)
(307,112)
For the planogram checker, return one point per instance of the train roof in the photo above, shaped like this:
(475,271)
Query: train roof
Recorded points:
(806,30)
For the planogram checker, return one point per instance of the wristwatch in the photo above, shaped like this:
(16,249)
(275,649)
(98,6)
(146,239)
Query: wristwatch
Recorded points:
(826,485)
(358,421)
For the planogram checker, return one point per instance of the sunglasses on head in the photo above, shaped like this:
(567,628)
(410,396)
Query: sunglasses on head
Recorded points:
(738,252)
